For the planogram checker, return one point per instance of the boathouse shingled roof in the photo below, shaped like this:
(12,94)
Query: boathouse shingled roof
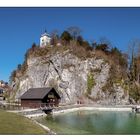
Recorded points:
(37,93)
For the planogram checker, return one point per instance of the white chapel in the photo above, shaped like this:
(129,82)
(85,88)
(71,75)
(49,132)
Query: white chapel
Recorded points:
(45,39)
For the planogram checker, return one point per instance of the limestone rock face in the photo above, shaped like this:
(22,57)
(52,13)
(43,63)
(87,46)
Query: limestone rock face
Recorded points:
(69,75)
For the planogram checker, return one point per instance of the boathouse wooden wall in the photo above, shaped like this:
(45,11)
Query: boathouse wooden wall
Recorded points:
(33,99)
(31,103)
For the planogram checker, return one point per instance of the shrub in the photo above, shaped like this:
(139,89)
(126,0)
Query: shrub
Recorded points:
(103,47)
(13,76)
(134,92)
(90,82)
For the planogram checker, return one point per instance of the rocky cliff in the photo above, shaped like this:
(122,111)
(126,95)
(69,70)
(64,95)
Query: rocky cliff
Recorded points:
(76,79)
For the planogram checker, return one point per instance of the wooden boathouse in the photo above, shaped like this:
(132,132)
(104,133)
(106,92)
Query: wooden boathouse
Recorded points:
(40,97)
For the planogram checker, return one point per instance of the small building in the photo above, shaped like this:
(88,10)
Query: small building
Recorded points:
(39,97)
(45,39)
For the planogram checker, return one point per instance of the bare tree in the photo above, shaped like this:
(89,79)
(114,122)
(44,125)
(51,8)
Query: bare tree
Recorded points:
(134,53)
(54,37)
(55,33)
(74,31)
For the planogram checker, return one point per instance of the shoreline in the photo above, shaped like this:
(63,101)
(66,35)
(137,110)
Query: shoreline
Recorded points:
(93,109)
(84,108)
(44,127)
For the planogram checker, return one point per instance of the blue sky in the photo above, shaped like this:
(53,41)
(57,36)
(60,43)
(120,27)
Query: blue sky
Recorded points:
(20,27)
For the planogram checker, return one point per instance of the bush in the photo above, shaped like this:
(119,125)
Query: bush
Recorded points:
(134,92)
(103,47)
(13,76)
(90,83)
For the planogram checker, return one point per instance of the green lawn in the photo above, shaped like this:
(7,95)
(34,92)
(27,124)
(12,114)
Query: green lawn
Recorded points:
(11,123)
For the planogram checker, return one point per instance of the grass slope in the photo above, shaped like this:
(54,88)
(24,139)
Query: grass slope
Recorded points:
(11,123)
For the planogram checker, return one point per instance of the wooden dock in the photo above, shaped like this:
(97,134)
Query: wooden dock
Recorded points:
(136,109)
(47,110)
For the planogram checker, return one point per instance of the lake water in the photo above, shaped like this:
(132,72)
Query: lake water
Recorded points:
(91,122)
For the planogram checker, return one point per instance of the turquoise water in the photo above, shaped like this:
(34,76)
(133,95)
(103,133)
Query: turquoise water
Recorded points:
(91,122)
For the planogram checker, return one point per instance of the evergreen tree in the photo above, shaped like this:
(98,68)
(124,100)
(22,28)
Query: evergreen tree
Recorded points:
(80,40)
(66,37)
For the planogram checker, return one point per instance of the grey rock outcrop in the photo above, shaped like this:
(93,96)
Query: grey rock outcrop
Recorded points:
(69,74)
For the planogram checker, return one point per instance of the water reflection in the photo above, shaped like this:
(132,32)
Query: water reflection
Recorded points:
(90,122)
(50,117)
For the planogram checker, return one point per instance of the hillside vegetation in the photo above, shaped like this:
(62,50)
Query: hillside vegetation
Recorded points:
(124,71)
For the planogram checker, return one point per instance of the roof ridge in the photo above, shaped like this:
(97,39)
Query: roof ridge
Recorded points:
(37,93)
